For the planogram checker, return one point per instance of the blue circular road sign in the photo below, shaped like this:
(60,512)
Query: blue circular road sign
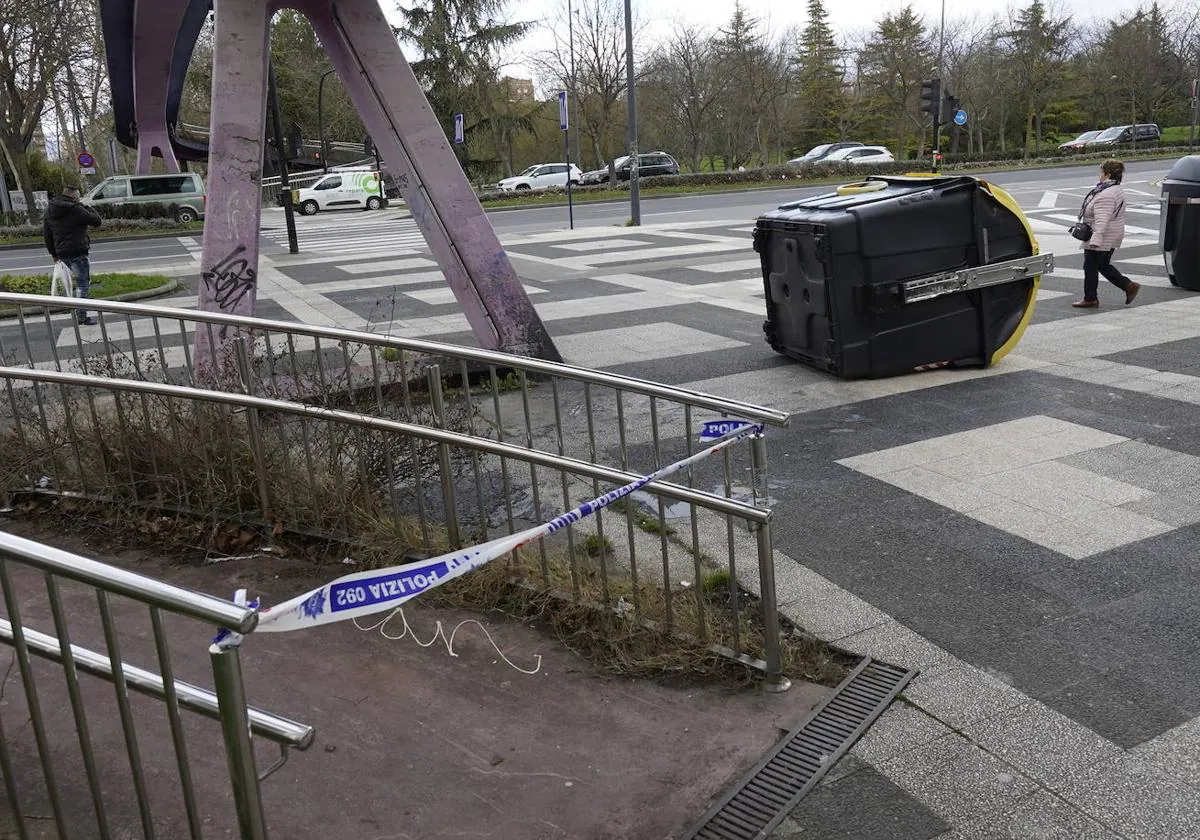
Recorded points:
(960,117)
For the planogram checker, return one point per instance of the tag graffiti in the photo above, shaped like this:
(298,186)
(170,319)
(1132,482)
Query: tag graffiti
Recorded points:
(230,279)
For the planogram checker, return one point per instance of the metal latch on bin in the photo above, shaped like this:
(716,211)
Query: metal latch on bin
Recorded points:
(967,279)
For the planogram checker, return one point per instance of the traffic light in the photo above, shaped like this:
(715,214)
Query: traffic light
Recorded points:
(950,106)
(931,97)
(295,141)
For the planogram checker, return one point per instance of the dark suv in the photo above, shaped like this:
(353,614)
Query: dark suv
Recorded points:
(1121,135)
(650,163)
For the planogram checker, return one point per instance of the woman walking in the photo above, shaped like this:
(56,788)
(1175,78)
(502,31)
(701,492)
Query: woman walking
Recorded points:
(1101,226)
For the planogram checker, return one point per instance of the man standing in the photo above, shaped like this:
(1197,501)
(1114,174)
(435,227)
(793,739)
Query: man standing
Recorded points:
(66,233)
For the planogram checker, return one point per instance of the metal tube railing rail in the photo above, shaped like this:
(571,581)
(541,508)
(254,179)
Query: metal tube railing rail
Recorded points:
(755,518)
(544,416)
(718,504)
(735,408)
(227,704)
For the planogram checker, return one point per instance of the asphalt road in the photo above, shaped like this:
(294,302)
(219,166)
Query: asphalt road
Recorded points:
(728,205)
(112,256)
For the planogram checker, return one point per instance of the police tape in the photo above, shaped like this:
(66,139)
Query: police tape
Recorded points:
(365,593)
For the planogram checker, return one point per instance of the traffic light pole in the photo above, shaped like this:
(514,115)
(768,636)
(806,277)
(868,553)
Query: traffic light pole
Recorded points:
(285,187)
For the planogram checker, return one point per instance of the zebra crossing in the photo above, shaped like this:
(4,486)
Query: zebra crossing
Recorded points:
(338,233)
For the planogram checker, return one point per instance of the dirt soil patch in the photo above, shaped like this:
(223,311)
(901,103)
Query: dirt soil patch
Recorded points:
(412,742)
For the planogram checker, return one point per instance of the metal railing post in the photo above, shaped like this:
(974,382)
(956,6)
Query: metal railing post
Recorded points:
(235,726)
(758,477)
(256,444)
(772,646)
(448,500)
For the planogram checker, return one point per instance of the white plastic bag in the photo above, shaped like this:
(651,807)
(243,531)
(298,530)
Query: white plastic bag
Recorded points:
(61,281)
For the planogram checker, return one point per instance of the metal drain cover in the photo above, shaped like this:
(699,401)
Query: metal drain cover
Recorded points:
(760,801)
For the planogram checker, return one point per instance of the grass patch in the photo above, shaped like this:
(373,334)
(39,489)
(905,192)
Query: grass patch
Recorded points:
(103,285)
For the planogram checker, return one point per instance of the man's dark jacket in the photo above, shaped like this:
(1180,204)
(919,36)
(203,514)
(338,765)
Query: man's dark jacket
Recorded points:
(65,228)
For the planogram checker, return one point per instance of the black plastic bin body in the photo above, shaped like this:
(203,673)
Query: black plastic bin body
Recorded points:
(1179,223)
(833,265)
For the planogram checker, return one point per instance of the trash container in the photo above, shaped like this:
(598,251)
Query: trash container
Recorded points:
(897,274)
(1179,223)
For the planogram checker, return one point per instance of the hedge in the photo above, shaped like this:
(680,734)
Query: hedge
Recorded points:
(110,226)
(124,212)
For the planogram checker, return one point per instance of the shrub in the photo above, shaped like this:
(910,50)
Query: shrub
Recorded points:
(116,226)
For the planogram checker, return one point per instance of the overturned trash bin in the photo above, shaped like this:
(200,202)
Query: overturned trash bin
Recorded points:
(898,274)
(1179,223)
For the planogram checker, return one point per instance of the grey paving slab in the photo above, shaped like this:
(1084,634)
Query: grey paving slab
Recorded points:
(1039,816)
(1046,745)
(962,696)
(901,728)
(1120,704)
(861,806)
(957,780)
(1174,753)
(1133,797)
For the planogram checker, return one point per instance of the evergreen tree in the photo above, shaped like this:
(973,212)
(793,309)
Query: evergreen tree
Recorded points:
(896,59)
(1038,51)
(459,42)
(819,78)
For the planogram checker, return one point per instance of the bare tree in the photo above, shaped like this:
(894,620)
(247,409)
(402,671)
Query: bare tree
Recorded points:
(685,71)
(599,82)
(32,35)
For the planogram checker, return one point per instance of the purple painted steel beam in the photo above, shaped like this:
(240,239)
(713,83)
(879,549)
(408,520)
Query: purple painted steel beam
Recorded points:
(155,26)
(389,98)
(229,265)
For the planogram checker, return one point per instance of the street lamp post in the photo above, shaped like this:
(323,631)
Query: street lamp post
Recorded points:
(635,206)
(321,120)
(574,82)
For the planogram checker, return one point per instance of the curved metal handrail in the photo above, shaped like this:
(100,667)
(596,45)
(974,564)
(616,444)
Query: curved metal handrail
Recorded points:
(735,408)
(130,584)
(719,504)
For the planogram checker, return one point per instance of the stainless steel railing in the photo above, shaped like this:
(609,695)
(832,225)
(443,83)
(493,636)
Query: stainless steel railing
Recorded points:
(452,438)
(226,704)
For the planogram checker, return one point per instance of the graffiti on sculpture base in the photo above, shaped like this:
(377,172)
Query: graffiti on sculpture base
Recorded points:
(231,279)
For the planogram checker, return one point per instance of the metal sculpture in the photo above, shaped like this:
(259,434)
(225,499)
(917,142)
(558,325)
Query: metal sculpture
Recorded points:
(150,44)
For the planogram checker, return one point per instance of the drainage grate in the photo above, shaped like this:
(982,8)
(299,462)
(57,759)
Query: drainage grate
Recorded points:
(761,800)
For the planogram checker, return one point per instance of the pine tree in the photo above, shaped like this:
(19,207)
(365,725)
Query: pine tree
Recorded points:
(1038,47)
(819,77)
(459,42)
(898,56)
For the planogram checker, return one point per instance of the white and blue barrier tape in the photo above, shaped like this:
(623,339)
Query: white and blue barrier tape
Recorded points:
(365,593)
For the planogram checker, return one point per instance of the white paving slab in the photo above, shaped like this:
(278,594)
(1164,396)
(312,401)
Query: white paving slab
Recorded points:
(623,345)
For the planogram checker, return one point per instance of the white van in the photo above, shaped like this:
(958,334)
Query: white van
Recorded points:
(342,190)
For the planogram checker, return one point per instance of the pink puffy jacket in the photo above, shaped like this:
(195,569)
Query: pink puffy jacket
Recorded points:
(1106,214)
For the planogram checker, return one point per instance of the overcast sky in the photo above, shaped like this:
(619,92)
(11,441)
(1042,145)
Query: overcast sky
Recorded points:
(845,15)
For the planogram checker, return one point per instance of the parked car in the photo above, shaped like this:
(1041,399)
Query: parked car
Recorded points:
(1080,141)
(858,156)
(342,190)
(1119,135)
(817,153)
(649,163)
(541,176)
(185,192)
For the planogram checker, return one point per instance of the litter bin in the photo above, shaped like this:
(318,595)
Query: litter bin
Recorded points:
(1179,223)
(897,274)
